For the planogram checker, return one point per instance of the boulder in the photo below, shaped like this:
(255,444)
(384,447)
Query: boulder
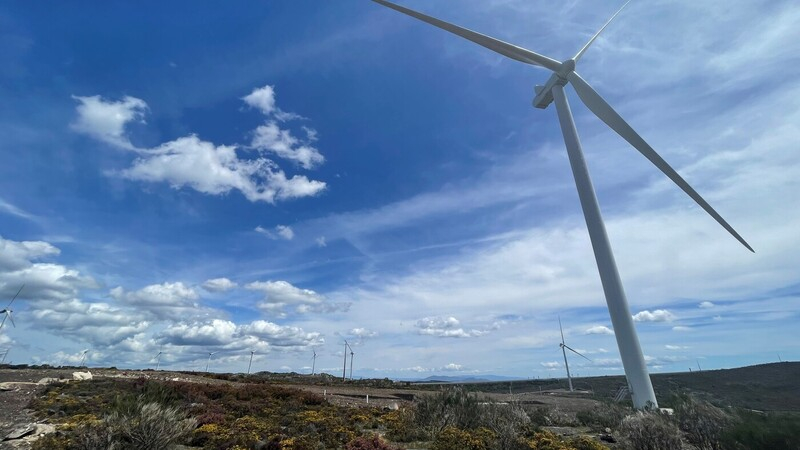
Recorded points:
(80,376)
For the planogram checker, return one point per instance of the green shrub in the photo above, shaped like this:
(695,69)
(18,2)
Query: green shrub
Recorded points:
(452,438)
(146,426)
(649,431)
(373,442)
(774,431)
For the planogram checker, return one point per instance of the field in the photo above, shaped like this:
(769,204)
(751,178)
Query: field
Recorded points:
(291,411)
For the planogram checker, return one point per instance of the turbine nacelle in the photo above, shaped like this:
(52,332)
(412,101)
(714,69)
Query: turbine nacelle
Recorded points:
(544,94)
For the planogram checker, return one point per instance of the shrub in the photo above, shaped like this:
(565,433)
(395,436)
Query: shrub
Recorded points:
(400,425)
(774,431)
(452,438)
(368,443)
(603,416)
(703,423)
(148,426)
(649,431)
(448,408)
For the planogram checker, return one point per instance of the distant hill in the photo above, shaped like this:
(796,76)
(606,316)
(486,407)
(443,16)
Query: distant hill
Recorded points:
(764,387)
(461,379)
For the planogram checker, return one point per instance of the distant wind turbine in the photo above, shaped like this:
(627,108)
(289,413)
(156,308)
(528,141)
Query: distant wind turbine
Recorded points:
(553,90)
(158,357)
(209,359)
(351,361)
(344,368)
(7,310)
(252,352)
(83,358)
(5,353)
(564,348)
(313,361)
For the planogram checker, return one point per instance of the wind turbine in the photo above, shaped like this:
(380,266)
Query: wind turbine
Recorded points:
(344,367)
(158,357)
(313,361)
(564,348)
(209,360)
(7,310)
(5,353)
(553,91)
(83,357)
(351,361)
(252,352)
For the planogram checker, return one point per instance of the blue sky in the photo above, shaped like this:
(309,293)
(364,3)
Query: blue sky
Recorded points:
(281,176)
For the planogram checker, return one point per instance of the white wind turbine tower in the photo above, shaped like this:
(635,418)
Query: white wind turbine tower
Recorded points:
(553,90)
(344,367)
(564,348)
(313,361)
(351,361)
(250,364)
(7,310)
(209,359)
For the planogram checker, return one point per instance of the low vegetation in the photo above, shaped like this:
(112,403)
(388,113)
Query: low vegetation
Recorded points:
(115,414)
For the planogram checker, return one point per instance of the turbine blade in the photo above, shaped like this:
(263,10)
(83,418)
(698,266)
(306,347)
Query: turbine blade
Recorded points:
(15,296)
(11,318)
(606,113)
(585,47)
(496,45)
(574,351)
(562,330)
(5,316)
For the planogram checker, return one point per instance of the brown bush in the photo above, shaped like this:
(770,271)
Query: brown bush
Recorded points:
(649,431)
(703,423)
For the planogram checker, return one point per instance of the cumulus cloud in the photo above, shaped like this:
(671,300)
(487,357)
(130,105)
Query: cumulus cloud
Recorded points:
(279,232)
(162,301)
(189,162)
(362,333)
(599,329)
(279,295)
(216,170)
(263,99)
(17,255)
(218,285)
(706,305)
(99,323)
(105,120)
(271,138)
(550,365)
(452,367)
(659,315)
(447,327)
(226,335)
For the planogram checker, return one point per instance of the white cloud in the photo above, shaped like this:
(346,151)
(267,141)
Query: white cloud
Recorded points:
(675,347)
(362,333)
(599,329)
(706,305)
(659,315)
(105,120)
(321,242)
(174,301)
(99,323)
(271,138)
(200,165)
(216,170)
(681,328)
(446,327)
(279,232)
(452,367)
(17,255)
(281,294)
(15,211)
(219,285)
(550,365)
(263,99)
